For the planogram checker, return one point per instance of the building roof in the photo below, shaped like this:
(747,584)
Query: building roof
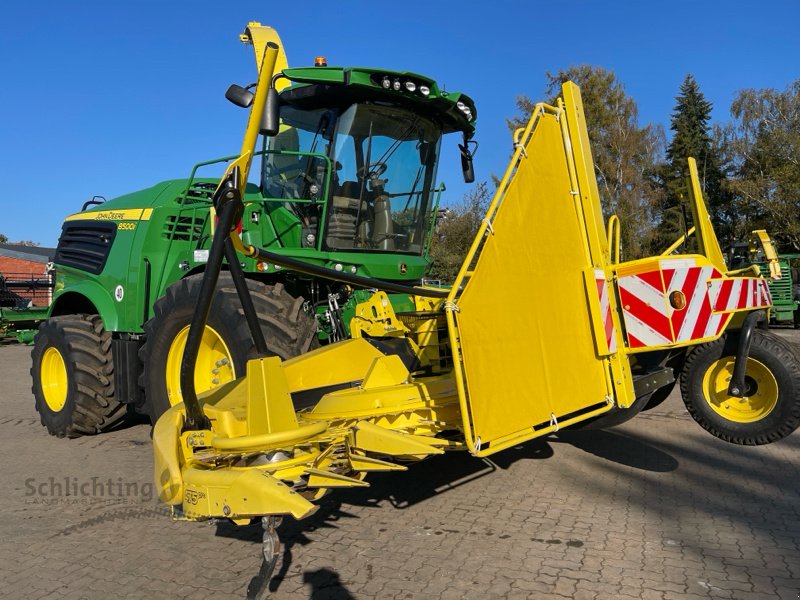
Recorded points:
(31,253)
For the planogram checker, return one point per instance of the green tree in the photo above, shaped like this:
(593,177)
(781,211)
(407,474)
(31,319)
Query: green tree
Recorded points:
(625,154)
(455,232)
(763,153)
(691,136)
(3,239)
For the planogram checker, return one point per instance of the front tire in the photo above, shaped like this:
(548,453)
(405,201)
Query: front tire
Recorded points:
(73,376)
(226,345)
(769,411)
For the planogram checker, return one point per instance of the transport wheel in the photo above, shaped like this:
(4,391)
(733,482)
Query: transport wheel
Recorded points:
(770,409)
(73,376)
(226,344)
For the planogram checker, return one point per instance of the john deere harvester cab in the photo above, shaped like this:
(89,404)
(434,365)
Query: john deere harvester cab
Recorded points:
(338,170)
(353,167)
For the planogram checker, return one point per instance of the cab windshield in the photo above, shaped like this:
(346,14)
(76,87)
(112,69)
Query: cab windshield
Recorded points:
(366,172)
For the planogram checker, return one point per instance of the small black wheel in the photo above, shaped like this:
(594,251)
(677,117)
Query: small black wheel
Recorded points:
(770,409)
(73,376)
(226,345)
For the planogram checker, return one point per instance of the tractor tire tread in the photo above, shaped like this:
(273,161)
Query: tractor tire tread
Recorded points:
(288,329)
(88,348)
(782,420)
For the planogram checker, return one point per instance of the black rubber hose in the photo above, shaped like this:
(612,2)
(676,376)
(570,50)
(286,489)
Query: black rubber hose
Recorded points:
(243,292)
(195,418)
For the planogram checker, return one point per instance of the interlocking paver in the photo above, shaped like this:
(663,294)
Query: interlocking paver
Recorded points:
(655,508)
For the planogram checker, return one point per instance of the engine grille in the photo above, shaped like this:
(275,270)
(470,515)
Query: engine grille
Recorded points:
(183,227)
(85,245)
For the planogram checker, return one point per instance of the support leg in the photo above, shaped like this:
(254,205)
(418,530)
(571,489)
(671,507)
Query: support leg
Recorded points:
(270,548)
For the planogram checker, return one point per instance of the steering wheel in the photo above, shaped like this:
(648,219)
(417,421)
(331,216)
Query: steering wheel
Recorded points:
(372,170)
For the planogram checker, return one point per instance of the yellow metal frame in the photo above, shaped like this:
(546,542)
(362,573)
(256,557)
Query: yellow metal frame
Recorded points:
(613,236)
(759,236)
(270,57)
(585,196)
(677,243)
(366,410)
(707,239)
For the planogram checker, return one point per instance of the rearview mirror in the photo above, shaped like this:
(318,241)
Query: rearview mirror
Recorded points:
(466,164)
(239,96)
(467,153)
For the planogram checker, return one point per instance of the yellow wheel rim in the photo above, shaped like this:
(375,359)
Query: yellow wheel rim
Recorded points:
(53,375)
(214,365)
(761,391)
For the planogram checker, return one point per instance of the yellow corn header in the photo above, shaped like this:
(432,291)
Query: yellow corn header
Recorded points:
(543,329)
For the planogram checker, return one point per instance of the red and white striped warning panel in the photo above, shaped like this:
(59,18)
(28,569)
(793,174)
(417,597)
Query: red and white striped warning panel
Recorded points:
(696,320)
(644,309)
(706,297)
(739,293)
(605,311)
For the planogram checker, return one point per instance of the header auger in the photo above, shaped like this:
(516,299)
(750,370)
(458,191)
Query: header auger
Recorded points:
(465,370)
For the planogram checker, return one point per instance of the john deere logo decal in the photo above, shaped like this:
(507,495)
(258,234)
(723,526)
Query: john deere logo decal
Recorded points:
(403,268)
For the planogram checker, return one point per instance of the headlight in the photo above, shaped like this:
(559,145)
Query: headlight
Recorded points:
(424,90)
(411,86)
(396,85)
(386,83)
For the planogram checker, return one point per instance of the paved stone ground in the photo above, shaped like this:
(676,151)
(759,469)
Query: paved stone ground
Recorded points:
(655,508)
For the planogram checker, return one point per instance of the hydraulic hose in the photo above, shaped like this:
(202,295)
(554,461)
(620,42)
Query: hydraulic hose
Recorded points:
(349,278)
(248,308)
(230,208)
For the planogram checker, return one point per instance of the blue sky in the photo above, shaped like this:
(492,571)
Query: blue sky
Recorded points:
(110,97)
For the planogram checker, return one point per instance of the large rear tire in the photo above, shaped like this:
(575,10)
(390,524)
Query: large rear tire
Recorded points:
(770,409)
(226,346)
(73,376)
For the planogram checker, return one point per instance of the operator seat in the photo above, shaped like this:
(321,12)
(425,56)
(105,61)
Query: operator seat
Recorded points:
(343,220)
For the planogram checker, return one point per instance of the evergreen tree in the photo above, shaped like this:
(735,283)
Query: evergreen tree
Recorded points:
(690,125)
